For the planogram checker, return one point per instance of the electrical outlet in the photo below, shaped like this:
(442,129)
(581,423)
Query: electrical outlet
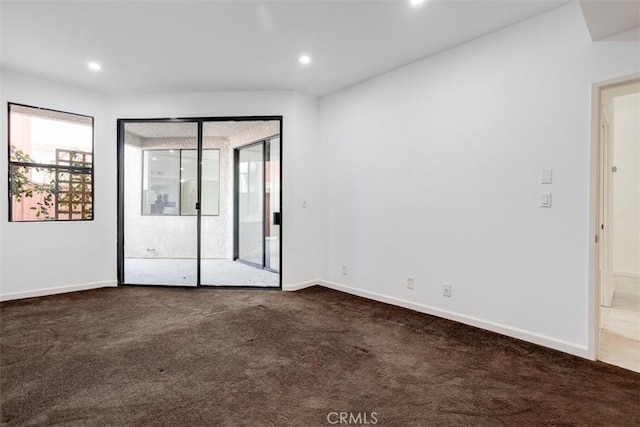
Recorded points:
(410,282)
(446,290)
(344,270)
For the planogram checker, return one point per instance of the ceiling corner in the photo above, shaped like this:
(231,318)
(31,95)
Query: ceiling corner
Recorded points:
(608,19)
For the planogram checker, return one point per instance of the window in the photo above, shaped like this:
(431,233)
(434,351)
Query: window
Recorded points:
(50,165)
(170,182)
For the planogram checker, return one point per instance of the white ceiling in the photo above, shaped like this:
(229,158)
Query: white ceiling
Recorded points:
(202,46)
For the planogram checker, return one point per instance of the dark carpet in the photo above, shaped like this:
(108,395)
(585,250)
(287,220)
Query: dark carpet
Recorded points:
(203,357)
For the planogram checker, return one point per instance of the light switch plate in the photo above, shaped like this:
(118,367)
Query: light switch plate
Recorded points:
(545,200)
(546,176)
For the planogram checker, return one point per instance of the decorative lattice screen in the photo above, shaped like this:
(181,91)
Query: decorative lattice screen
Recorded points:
(74,185)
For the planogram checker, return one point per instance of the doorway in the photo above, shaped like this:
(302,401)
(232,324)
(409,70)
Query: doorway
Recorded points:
(257,201)
(618,234)
(176,193)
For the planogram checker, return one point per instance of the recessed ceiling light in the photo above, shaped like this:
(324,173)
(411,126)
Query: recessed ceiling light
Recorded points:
(305,59)
(416,2)
(94,66)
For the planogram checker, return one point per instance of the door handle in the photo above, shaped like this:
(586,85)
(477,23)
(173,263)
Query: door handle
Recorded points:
(277,218)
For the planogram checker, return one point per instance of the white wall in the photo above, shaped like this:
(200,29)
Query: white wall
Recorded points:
(36,257)
(626,184)
(434,172)
(301,232)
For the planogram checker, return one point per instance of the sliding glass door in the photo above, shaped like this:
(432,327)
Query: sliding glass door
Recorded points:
(258,214)
(160,195)
(189,215)
(250,200)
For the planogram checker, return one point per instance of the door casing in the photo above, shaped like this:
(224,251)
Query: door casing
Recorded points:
(595,214)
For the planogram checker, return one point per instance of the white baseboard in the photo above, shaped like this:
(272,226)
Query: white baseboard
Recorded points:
(57,290)
(532,337)
(528,336)
(298,286)
(630,274)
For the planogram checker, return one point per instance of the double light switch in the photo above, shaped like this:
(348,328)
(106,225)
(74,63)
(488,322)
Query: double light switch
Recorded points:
(546,177)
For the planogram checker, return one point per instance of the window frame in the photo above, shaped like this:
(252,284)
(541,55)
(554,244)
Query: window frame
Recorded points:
(70,169)
(179,150)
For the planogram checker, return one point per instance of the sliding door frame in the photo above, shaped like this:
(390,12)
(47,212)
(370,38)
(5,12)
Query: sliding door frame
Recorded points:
(200,123)
(266,157)
(268,219)
(236,202)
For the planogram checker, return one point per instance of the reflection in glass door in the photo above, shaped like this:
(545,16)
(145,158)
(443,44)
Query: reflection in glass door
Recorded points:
(258,217)
(272,203)
(160,226)
(250,204)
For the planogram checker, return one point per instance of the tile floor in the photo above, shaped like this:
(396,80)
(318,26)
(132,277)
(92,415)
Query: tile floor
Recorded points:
(182,272)
(620,325)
